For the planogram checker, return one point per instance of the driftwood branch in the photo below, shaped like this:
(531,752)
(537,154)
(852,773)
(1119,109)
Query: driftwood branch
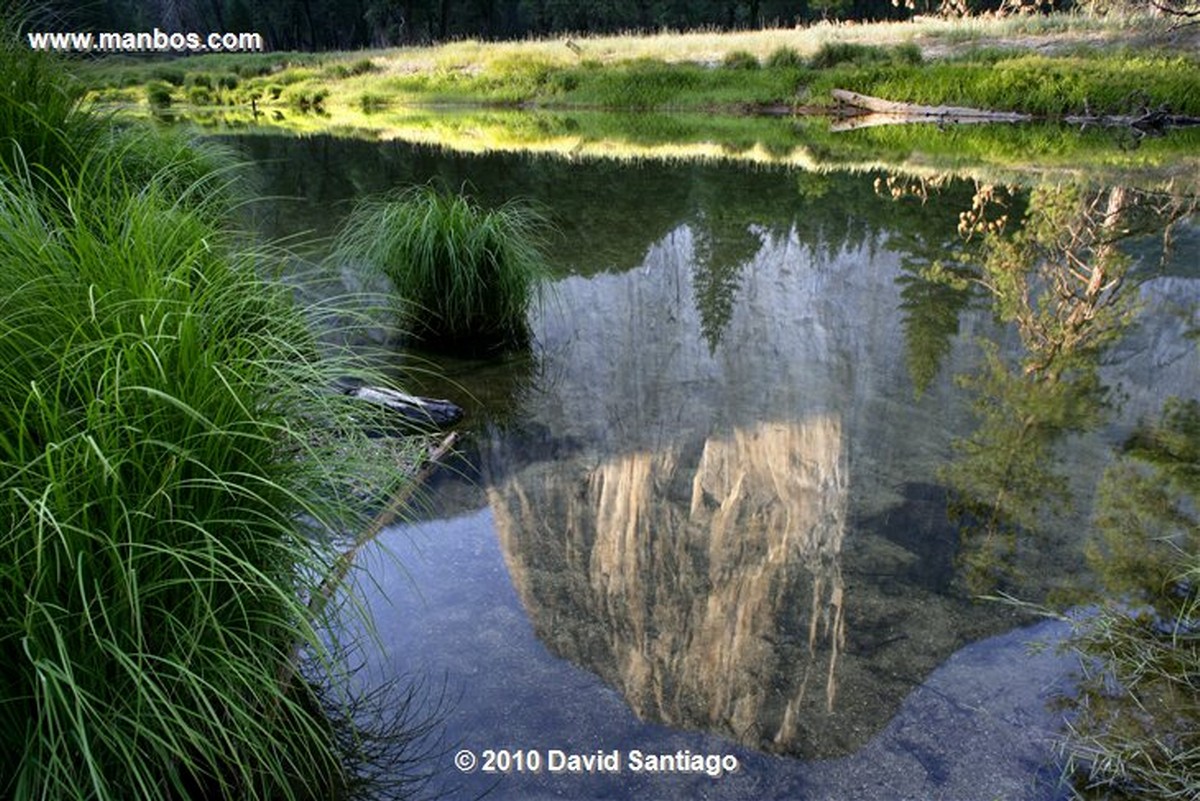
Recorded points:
(912,112)
(872,111)
(409,412)
(341,567)
(1184,16)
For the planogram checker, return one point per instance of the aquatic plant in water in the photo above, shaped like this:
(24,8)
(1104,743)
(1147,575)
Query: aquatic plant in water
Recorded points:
(467,275)
(1136,732)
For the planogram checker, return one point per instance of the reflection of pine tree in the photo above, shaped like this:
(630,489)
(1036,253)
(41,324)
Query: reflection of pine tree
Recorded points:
(935,286)
(930,308)
(723,249)
(1003,480)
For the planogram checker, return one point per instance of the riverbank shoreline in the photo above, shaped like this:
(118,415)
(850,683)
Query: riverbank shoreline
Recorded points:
(1051,66)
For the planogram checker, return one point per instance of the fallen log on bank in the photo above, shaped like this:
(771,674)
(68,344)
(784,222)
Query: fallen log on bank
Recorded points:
(867,111)
(877,105)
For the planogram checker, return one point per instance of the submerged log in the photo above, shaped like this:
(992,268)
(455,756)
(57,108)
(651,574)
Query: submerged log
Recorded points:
(409,411)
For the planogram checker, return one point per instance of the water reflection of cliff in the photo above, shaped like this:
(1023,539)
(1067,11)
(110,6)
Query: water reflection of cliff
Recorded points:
(703,582)
(680,523)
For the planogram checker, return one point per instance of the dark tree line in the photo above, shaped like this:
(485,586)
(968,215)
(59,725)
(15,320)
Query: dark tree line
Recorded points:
(349,24)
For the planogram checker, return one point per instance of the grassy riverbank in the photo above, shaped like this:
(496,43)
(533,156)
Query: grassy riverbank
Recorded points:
(175,475)
(1040,65)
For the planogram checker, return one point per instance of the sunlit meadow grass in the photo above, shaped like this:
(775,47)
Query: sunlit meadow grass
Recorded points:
(604,71)
(467,275)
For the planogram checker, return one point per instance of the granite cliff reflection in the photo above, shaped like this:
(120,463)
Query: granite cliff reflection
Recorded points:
(704,583)
(677,518)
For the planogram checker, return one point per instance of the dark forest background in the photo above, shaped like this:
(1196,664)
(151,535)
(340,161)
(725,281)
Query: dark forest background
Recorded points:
(351,24)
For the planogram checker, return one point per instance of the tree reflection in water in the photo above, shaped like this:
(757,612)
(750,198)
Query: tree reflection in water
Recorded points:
(1064,279)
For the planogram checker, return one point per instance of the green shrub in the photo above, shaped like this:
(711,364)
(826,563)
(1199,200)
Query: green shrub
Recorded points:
(200,96)
(171,75)
(158,94)
(740,60)
(467,275)
(831,54)
(274,90)
(785,58)
(199,79)
(228,81)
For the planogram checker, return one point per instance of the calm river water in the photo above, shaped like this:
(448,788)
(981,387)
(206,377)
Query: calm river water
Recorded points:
(743,497)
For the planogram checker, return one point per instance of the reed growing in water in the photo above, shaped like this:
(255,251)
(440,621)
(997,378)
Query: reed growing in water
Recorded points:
(467,275)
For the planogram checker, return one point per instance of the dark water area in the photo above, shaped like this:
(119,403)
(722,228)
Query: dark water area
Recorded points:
(744,495)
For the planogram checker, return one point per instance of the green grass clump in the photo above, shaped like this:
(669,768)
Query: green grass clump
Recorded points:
(643,84)
(158,94)
(306,97)
(341,70)
(199,175)
(200,96)
(201,79)
(172,75)
(40,121)
(161,410)
(1033,84)
(467,275)
(831,54)
(370,102)
(740,60)
(785,58)
(907,53)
